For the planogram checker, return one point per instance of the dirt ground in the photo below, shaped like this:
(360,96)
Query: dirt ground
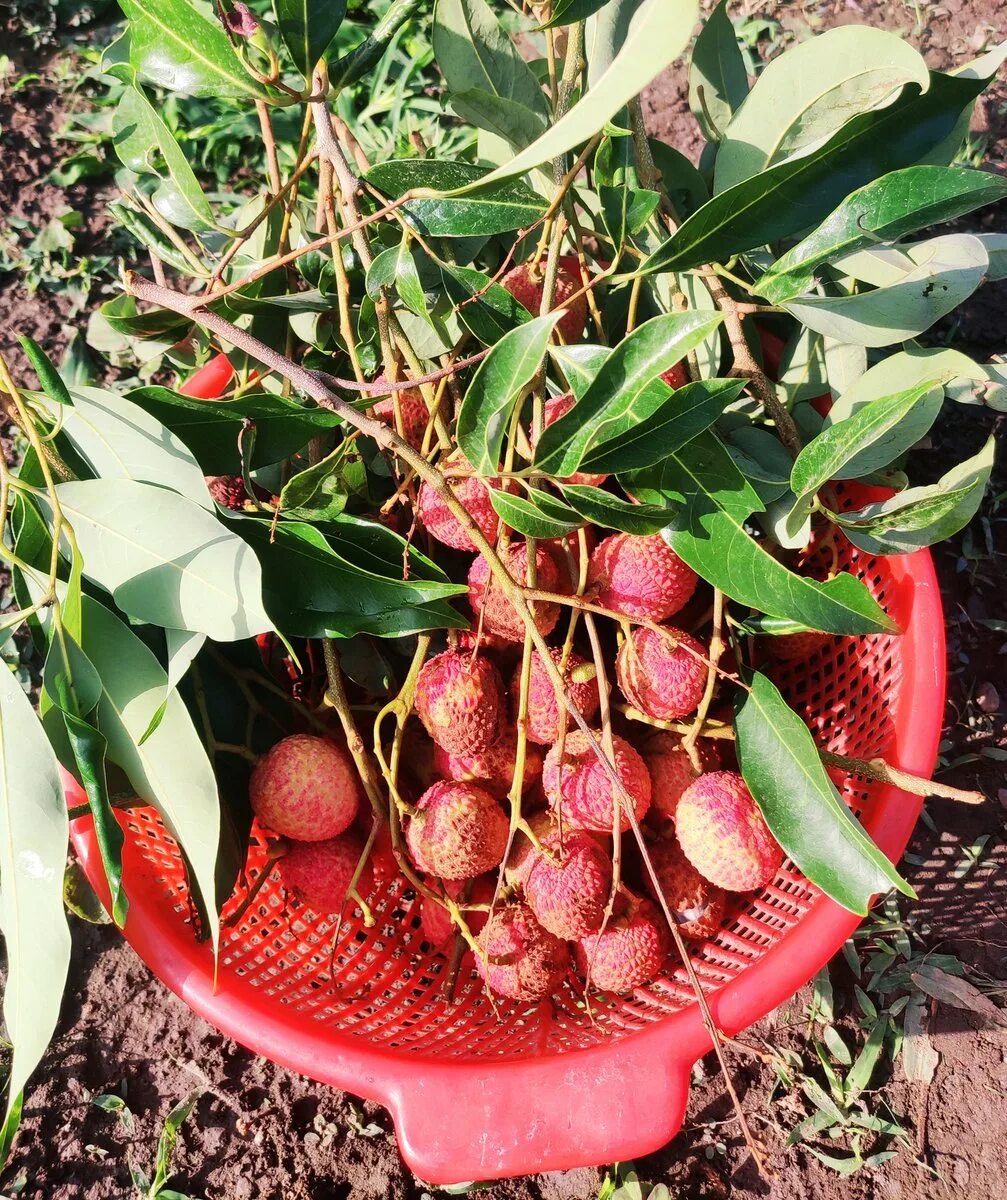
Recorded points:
(261,1132)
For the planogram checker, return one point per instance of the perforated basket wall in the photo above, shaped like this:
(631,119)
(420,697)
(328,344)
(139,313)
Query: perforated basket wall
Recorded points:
(363,1007)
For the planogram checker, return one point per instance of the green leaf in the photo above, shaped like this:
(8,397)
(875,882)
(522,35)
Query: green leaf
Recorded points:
(319,492)
(407,281)
(174,46)
(626,210)
(902,370)
(568,12)
(123,314)
(891,207)
(810,92)
(493,314)
(996,249)
(807,816)
(620,394)
(145,145)
(528,517)
(498,207)
(654,40)
(947,271)
(166,1144)
(602,508)
(860,1076)
(799,193)
(33,847)
(498,386)
(580,364)
(164,559)
(718,71)
(307,28)
(182,646)
(505,118)
(48,376)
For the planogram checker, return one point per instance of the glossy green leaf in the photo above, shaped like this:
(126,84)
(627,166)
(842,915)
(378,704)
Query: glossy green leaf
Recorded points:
(182,646)
(891,207)
(620,394)
(486,309)
(807,816)
(580,363)
(568,12)
(718,78)
(319,492)
(124,315)
(48,376)
(685,186)
(902,370)
(307,27)
(806,94)
(612,512)
(996,250)
(33,847)
(524,515)
(501,382)
(507,119)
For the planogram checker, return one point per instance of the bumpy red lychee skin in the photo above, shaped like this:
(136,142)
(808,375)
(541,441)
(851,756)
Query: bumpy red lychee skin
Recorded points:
(696,903)
(676,376)
(319,873)
(662,674)
(435,920)
(795,647)
(568,896)
(493,769)
(724,835)
(459,699)
(671,771)
(522,961)
(305,788)
(628,953)
(412,409)
(442,524)
(559,406)
(580,790)
(487,599)
(458,831)
(640,577)
(228,491)
(527,290)
(545,718)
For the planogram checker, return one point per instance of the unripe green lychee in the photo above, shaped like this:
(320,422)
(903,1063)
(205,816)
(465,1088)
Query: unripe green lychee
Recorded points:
(580,790)
(487,600)
(413,412)
(305,788)
(493,768)
(459,699)
(457,831)
(640,577)
(559,406)
(568,888)
(473,494)
(696,903)
(671,770)
(662,674)
(724,835)
(526,286)
(319,873)
(545,718)
(630,951)
(522,960)
(435,920)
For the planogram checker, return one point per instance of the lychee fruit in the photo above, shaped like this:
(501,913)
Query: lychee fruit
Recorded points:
(580,790)
(568,887)
(671,770)
(795,647)
(413,411)
(526,287)
(488,601)
(676,376)
(630,951)
(546,719)
(663,675)
(459,698)
(724,835)
(228,491)
(473,494)
(559,406)
(319,873)
(305,788)
(457,831)
(640,577)
(566,553)
(493,768)
(697,904)
(520,959)
(435,920)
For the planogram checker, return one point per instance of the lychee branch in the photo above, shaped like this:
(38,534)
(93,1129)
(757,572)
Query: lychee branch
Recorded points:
(881,771)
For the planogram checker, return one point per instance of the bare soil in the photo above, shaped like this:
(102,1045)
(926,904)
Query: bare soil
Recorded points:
(260,1131)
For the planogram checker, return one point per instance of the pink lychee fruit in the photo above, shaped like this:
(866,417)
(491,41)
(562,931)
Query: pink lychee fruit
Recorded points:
(545,718)
(630,951)
(228,491)
(526,286)
(493,768)
(724,835)
(566,553)
(457,831)
(459,698)
(676,376)
(580,790)
(319,873)
(473,494)
(488,601)
(663,675)
(640,577)
(305,788)
(795,647)
(671,771)
(697,904)
(559,406)
(413,411)
(435,920)
(567,888)
(520,959)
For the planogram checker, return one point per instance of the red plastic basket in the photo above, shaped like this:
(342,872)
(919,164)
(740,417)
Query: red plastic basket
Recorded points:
(476,1095)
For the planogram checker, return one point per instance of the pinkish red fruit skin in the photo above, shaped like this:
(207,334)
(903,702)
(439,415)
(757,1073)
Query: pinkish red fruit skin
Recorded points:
(544,717)
(724,835)
(792,647)
(662,674)
(493,769)
(523,962)
(559,406)
(581,790)
(640,577)
(412,409)
(319,873)
(305,788)
(473,494)
(486,598)
(528,291)
(676,376)
(630,952)
(228,491)
(568,897)
(458,831)
(435,920)
(697,903)
(459,698)
(671,771)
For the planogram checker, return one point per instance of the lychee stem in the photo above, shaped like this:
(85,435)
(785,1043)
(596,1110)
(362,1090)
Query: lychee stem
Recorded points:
(882,771)
(716,650)
(710,729)
(335,697)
